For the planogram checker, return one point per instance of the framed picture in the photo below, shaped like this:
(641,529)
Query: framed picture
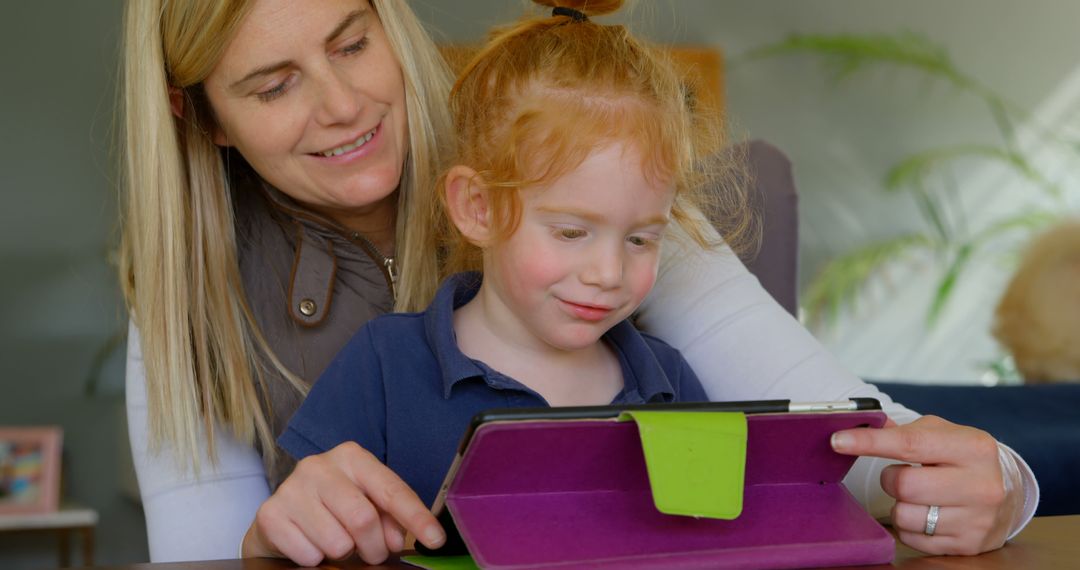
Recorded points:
(29,469)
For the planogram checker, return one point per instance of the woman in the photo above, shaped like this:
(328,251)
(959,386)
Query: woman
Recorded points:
(276,154)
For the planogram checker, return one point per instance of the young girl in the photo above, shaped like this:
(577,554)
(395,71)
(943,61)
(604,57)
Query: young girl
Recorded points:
(579,154)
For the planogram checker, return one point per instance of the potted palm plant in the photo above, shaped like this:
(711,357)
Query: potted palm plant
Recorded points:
(947,235)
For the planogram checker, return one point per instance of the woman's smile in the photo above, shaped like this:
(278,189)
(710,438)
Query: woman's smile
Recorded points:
(348,146)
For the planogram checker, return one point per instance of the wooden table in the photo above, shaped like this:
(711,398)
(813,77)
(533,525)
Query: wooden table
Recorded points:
(1048,542)
(62,523)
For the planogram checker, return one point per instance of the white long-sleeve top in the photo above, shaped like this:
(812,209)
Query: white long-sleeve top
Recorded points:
(739,341)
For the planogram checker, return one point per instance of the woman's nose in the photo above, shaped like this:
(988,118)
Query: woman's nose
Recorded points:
(338,102)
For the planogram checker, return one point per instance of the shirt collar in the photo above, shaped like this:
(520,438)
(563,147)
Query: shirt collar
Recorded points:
(458,289)
(643,376)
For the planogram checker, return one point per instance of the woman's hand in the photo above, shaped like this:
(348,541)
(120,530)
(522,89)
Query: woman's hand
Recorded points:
(960,473)
(337,503)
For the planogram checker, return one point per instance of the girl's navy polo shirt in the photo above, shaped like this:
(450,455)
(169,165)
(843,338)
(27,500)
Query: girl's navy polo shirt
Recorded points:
(403,390)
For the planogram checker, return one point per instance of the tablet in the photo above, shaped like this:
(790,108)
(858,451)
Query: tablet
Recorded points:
(455,545)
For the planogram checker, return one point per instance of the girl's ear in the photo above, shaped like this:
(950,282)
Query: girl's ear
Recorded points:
(467,204)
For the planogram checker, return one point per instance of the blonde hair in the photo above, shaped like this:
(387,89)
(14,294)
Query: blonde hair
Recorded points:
(203,351)
(1038,317)
(550,90)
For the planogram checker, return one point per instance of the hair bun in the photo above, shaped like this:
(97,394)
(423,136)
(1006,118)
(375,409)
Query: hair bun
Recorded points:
(587,7)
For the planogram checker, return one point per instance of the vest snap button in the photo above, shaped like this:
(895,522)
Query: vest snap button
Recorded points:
(308,307)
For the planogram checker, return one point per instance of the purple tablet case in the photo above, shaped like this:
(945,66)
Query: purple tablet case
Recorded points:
(541,494)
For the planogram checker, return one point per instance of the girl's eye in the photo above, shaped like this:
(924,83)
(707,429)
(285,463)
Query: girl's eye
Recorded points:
(355,47)
(640,241)
(571,233)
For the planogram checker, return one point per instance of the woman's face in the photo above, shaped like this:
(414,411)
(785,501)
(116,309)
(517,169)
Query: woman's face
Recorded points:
(312,96)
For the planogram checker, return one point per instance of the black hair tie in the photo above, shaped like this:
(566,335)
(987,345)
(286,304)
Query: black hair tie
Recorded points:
(570,13)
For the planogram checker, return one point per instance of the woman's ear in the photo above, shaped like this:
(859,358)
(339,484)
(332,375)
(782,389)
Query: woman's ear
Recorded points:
(219,137)
(467,204)
(177,102)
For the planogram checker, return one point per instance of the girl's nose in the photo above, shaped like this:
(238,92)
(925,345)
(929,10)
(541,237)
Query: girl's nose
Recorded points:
(604,268)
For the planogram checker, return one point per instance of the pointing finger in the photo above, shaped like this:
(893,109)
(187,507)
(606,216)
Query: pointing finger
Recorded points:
(928,441)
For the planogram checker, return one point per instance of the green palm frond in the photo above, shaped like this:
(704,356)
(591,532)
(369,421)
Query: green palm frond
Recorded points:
(933,211)
(848,54)
(1003,368)
(1030,221)
(945,287)
(852,53)
(919,166)
(840,281)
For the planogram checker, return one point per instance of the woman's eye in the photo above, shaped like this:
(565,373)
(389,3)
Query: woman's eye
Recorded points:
(355,47)
(640,241)
(276,91)
(571,233)
(272,93)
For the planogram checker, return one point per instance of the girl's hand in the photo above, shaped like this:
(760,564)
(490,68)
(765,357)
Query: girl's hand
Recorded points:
(960,473)
(337,503)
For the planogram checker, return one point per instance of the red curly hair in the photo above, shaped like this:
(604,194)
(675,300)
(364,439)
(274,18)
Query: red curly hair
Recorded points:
(546,92)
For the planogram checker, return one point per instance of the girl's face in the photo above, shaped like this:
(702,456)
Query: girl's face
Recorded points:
(584,255)
(312,96)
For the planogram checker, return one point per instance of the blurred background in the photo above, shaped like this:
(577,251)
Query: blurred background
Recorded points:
(929,141)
